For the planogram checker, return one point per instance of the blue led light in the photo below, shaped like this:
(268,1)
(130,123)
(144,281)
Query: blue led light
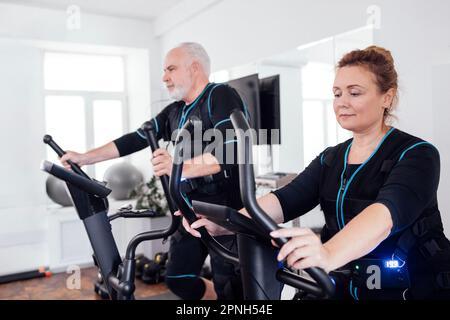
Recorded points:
(392,264)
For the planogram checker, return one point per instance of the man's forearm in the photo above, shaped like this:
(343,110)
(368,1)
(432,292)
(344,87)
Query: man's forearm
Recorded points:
(103,153)
(202,165)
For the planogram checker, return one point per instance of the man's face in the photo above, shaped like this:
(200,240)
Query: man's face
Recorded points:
(178,76)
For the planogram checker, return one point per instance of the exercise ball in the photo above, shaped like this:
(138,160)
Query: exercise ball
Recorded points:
(56,190)
(122,178)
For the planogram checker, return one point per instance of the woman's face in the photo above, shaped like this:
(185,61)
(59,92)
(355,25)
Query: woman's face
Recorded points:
(358,103)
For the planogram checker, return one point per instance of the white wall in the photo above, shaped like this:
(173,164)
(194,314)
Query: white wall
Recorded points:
(22,22)
(441,134)
(25,32)
(97,34)
(238,33)
(291,115)
(418,33)
(22,191)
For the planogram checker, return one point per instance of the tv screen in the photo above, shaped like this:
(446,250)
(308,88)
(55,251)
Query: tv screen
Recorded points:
(248,89)
(269,92)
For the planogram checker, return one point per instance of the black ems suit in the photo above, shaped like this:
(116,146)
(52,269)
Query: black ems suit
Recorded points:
(187,253)
(403,174)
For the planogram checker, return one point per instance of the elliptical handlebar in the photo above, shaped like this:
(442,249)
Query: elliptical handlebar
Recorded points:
(60,152)
(77,180)
(229,218)
(186,208)
(149,130)
(324,285)
(118,275)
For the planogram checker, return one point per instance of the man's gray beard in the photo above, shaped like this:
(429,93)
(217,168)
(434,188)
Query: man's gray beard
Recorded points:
(178,93)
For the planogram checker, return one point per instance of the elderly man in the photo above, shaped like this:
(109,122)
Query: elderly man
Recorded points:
(186,76)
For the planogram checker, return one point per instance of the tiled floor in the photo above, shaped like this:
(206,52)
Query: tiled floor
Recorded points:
(54,288)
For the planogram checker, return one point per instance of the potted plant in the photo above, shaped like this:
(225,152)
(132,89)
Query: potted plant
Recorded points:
(149,195)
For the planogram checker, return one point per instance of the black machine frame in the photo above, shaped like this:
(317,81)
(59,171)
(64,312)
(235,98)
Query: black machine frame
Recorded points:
(260,272)
(91,203)
(261,275)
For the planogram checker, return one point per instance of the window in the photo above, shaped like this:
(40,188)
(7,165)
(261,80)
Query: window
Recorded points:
(107,128)
(84,102)
(320,128)
(70,132)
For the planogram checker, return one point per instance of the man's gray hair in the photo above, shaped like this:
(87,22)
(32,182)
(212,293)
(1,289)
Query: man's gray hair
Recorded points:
(197,53)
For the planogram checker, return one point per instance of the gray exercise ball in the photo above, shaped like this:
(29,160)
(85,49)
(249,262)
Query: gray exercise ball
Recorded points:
(56,190)
(122,178)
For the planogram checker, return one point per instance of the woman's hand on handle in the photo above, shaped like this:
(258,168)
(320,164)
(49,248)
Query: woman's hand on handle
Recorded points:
(212,228)
(303,250)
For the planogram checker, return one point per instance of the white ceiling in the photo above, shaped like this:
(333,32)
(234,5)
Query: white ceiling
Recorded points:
(134,9)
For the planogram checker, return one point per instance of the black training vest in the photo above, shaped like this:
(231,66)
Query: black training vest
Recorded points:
(363,188)
(202,108)
(179,112)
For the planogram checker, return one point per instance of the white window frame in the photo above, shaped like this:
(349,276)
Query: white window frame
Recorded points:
(89,97)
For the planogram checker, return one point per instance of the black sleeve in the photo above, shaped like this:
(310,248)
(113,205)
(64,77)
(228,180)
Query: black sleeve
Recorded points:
(411,186)
(130,143)
(161,123)
(136,141)
(224,100)
(301,195)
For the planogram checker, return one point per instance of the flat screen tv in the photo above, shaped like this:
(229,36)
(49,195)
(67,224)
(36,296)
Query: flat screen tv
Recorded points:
(269,110)
(248,89)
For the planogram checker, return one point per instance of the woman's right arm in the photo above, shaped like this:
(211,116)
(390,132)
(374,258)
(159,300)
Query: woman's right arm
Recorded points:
(269,203)
(289,202)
